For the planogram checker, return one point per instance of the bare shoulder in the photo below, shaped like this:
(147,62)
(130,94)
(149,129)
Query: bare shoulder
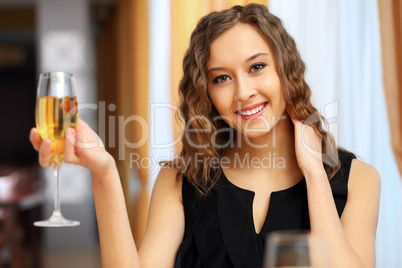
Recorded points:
(363,176)
(360,216)
(168,175)
(167,182)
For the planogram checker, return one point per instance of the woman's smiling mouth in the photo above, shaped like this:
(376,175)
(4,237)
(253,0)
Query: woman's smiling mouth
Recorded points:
(252,112)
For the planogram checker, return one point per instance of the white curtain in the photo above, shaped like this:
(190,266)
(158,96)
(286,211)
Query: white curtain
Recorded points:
(340,43)
(161,121)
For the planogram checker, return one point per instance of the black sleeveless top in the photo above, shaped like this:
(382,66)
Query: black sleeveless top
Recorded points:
(219,229)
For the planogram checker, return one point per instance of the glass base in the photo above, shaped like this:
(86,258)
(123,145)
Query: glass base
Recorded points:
(56,220)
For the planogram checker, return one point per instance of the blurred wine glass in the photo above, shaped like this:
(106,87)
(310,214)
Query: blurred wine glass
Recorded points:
(295,249)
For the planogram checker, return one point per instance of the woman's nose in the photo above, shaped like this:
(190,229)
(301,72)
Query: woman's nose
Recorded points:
(244,90)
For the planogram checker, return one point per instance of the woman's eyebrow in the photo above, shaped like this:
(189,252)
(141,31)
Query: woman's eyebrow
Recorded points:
(215,69)
(256,55)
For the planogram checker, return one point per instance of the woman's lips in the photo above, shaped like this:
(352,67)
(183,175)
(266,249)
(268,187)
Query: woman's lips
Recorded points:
(253,111)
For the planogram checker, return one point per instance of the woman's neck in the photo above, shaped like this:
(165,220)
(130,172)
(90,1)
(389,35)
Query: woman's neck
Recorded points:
(275,150)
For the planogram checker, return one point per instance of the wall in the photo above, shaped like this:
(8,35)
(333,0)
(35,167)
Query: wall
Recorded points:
(64,44)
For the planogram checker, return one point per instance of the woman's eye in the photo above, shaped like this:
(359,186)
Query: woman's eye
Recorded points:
(257,67)
(221,79)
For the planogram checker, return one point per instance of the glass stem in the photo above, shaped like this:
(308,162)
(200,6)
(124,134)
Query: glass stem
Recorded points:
(56,189)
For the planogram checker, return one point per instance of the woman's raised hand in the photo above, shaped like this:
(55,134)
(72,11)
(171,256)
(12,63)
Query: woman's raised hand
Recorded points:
(308,145)
(82,147)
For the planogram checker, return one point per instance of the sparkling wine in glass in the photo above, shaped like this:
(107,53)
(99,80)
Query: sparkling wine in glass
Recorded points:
(56,111)
(295,249)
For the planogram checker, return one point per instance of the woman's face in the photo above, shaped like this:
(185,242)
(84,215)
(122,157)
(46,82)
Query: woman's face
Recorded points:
(243,83)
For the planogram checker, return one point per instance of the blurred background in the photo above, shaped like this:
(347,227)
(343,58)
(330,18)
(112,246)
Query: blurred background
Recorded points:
(126,56)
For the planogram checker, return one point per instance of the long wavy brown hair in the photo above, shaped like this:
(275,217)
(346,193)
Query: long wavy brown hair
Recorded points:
(203,143)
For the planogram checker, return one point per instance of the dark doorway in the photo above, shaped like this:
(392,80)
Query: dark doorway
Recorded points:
(17,84)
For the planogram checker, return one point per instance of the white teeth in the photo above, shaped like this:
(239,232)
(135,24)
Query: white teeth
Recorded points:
(253,111)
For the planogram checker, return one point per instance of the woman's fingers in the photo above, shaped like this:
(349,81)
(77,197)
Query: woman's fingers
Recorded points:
(44,153)
(35,138)
(290,111)
(298,123)
(82,146)
(69,148)
(44,147)
(307,142)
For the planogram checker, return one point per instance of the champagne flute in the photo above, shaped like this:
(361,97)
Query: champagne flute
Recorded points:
(295,249)
(56,111)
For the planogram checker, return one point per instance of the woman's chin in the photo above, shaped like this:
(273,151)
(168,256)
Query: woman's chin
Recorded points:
(256,134)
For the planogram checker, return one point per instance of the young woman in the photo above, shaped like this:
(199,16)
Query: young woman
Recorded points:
(255,159)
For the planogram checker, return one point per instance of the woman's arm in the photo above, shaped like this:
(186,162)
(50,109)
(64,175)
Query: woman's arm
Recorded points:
(351,239)
(116,240)
(360,216)
(165,227)
(84,147)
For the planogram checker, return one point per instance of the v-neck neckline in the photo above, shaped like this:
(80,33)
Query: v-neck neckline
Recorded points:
(252,194)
